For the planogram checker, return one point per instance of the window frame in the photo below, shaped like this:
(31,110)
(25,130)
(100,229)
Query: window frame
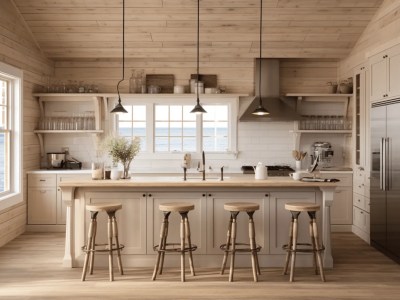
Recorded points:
(181,99)
(15,78)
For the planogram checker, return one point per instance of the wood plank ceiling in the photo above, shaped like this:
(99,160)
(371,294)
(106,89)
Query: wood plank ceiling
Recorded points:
(166,29)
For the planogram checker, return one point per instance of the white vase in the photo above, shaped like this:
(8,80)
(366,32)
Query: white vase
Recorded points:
(115,174)
(298,165)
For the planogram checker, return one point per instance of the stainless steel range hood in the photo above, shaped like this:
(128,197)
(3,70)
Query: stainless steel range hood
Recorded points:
(280,108)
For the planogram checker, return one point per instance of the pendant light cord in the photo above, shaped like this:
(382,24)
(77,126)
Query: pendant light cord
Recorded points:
(259,83)
(123,49)
(198,48)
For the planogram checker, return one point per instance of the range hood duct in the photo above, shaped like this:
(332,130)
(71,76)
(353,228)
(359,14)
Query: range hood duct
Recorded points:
(280,108)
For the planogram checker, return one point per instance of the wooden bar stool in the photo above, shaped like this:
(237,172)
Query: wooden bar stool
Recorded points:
(90,247)
(183,209)
(295,209)
(232,246)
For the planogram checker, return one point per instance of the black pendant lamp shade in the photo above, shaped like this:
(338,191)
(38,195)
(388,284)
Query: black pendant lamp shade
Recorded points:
(198,109)
(119,108)
(260,110)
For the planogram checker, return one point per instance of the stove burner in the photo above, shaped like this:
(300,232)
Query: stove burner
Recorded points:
(272,170)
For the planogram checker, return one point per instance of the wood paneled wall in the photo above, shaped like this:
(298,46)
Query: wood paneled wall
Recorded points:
(237,76)
(17,48)
(381,33)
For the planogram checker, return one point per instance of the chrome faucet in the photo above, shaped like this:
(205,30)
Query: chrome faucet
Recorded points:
(203,167)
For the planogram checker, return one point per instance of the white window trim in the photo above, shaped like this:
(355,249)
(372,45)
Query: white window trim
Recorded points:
(150,100)
(15,195)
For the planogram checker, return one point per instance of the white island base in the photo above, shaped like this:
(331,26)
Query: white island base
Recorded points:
(139,220)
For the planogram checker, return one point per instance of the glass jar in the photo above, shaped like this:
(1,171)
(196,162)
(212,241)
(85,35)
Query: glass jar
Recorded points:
(97,170)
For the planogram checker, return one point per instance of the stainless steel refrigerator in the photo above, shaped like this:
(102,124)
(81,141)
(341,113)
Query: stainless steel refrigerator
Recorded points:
(385,177)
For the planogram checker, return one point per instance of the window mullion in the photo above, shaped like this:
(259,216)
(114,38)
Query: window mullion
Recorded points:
(150,132)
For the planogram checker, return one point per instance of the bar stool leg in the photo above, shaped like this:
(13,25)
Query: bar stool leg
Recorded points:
(318,249)
(161,247)
(295,215)
(115,235)
(93,247)
(234,215)
(89,244)
(228,241)
(110,243)
(253,245)
(183,235)
(314,249)
(164,244)
(288,252)
(187,227)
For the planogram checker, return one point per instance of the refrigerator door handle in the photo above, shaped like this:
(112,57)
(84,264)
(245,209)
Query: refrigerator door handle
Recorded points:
(388,176)
(382,164)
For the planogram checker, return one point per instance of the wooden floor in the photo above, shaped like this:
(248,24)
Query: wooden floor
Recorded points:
(30,268)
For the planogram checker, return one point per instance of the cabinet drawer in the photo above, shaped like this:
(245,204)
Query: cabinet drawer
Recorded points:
(359,187)
(42,180)
(359,201)
(361,219)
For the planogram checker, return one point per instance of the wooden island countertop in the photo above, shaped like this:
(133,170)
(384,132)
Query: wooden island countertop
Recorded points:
(142,193)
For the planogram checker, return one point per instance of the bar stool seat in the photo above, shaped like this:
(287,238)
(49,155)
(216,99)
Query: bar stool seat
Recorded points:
(176,206)
(292,247)
(91,247)
(183,209)
(231,246)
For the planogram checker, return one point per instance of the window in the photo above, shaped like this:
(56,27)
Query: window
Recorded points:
(133,123)
(175,129)
(10,136)
(167,128)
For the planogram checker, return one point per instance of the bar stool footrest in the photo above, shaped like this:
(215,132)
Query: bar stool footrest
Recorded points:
(305,250)
(104,248)
(243,247)
(174,247)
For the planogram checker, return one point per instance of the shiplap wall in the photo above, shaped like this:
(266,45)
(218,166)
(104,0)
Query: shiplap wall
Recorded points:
(237,76)
(381,33)
(17,48)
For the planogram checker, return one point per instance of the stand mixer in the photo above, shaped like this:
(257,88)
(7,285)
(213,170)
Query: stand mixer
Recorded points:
(323,152)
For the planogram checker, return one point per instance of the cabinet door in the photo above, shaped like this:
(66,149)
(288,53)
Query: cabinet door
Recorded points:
(61,207)
(197,219)
(341,210)
(281,218)
(361,219)
(378,79)
(131,219)
(394,72)
(42,206)
(218,220)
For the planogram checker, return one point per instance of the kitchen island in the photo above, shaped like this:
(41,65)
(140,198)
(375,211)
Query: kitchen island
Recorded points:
(139,220)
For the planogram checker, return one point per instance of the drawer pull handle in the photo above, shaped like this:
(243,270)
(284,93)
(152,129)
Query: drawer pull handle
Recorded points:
(149,195)
(43,192)
(144,195)
(42,179)
(204,195)
(361,212)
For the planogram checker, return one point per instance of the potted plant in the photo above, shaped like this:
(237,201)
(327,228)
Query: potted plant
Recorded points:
(123,150)
(332,87)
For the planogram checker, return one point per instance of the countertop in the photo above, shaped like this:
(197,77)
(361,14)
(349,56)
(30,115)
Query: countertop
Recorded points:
(175,181)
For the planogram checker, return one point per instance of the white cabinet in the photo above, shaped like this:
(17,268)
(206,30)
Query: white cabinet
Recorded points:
(218,219)
(45,205)
(42,204)
(385,73)
(378,74)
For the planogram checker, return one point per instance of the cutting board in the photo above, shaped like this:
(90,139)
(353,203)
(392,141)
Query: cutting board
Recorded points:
(164,81)
(210,81)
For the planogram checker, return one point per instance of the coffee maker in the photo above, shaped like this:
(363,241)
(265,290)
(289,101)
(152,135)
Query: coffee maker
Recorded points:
(323,152)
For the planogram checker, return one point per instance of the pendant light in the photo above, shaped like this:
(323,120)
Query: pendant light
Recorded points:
(198,109)
(260,110)
(119,108)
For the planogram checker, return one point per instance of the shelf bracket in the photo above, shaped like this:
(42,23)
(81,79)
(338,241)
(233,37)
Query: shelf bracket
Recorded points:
(41,143)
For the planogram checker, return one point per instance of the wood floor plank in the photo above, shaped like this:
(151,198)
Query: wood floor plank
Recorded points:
(30,268)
